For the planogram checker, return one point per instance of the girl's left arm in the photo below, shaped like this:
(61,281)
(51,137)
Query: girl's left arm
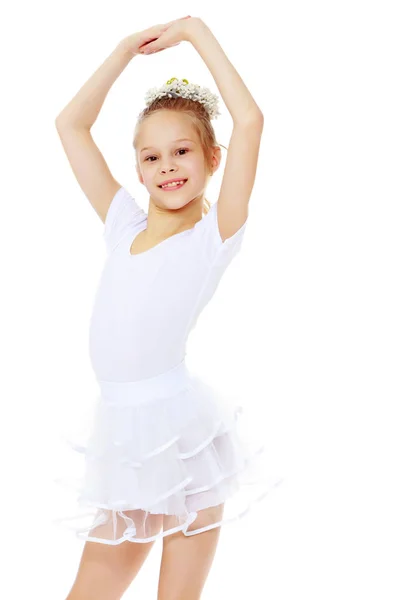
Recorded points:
(242,157)
(235,94)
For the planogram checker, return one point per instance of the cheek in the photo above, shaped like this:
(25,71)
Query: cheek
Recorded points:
(147,175)
(196,168)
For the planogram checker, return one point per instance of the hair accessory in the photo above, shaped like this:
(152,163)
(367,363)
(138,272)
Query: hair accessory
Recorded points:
(175,88)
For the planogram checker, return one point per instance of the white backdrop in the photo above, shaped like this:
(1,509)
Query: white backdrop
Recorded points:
(308,302)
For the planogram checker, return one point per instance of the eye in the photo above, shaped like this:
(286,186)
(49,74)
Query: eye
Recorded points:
(179,150)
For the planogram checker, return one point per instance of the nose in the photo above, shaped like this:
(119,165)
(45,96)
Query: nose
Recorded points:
(163,170)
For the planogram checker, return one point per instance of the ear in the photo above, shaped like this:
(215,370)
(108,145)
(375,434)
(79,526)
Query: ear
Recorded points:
(215,158)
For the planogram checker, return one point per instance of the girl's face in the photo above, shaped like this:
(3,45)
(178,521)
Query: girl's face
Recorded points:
(169,148)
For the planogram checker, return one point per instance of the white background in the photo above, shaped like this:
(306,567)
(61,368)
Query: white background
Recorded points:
(301,325)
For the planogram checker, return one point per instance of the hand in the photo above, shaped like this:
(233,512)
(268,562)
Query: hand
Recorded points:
(137,41)
(172,35)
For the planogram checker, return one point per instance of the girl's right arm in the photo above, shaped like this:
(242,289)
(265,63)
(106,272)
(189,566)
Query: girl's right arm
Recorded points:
(75,121)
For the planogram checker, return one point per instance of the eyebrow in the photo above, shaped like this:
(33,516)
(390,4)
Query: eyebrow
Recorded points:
(174,141)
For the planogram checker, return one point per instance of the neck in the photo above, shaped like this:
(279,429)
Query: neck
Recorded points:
(164,222)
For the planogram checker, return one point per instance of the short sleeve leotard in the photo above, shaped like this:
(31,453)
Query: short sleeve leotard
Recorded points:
(146,304)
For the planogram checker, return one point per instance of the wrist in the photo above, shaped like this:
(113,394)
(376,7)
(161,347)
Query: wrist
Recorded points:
(129,45)
(192,28)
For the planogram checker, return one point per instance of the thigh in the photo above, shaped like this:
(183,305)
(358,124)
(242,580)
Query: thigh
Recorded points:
(106,571)
(186,560)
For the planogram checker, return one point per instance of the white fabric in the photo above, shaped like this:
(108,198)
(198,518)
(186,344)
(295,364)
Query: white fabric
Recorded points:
(147,303)
(162,445)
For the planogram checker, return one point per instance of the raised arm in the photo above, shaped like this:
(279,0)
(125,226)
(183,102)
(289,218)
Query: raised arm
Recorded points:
(75,121)
(243,150)
(242,158)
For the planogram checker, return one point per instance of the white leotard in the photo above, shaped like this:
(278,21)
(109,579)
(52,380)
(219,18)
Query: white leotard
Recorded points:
(146,304)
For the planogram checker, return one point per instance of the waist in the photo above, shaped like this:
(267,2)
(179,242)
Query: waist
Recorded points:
(159,386)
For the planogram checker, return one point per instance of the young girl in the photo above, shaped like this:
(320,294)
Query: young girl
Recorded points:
(164,458)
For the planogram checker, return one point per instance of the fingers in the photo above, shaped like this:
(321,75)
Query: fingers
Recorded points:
(147,42)
(155,33)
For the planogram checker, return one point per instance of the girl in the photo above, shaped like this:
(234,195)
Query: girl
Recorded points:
(164,458)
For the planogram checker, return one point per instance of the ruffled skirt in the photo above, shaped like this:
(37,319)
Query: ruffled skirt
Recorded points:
(163,454)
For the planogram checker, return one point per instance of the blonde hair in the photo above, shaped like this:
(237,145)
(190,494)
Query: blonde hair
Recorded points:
(200,120)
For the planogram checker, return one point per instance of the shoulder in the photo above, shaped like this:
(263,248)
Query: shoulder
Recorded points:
(124,213)
(209,238)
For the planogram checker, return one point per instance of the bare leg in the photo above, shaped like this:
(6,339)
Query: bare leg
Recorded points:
(186,561)
(106,571)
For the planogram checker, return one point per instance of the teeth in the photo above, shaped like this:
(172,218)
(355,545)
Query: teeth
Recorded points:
(174,184)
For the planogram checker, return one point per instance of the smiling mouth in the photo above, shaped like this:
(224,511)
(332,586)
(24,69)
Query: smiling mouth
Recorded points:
(173,187)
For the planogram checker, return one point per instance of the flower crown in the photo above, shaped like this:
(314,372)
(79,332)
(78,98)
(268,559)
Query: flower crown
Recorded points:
(176,88)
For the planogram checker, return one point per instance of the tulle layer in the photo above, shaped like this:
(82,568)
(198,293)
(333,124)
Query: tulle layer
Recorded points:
(156,463)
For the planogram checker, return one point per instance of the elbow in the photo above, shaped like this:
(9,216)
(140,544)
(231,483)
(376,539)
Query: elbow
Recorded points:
(253,118)
(258,117)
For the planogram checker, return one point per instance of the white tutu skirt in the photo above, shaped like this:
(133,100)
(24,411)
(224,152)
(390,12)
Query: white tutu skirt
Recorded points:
(163,454)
